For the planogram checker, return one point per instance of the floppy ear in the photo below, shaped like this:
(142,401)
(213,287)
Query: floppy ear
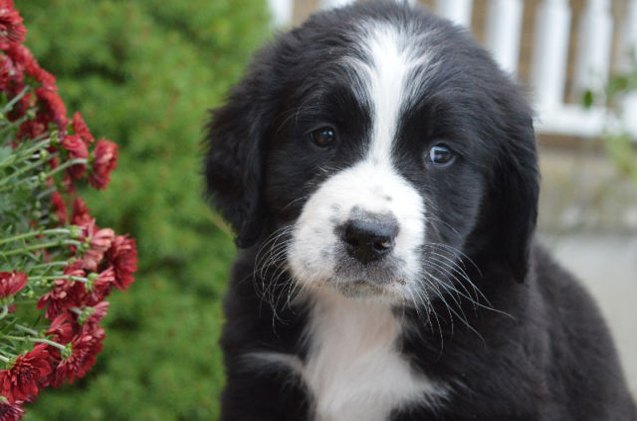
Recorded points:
(514,197)
(234,163)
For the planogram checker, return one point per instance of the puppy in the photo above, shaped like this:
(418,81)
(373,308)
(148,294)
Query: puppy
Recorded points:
(380,172)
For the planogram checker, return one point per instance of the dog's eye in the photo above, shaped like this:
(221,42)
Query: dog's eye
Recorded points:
(323,137)
(441,155)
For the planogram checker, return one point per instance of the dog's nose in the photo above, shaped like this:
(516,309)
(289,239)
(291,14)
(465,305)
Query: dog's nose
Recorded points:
(370,238)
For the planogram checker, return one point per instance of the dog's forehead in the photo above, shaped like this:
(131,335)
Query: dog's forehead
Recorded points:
(413,70)
(377,40)
(391,54)
(390,64)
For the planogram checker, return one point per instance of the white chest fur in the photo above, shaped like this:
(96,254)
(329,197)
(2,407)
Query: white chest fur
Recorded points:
(354,369)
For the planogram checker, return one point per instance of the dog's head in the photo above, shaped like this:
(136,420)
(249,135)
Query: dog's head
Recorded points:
(375,150)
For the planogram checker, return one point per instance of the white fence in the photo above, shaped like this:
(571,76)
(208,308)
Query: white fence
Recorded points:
(548,67)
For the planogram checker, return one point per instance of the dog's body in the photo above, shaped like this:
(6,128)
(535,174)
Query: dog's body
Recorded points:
(380,172)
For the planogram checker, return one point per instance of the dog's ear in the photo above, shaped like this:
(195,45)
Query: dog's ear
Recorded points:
(235,142)
(514,196)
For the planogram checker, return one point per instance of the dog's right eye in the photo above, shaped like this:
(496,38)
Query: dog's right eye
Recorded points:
(323,137)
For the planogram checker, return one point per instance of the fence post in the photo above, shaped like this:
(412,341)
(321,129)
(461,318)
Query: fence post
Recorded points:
(628,63)
(503,28)
(594,48)
(457,11)
(329,4)
(550,51)
(628,37)
(282,12)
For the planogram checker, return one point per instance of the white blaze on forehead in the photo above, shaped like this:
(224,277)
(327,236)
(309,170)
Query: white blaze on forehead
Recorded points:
(387,79)
(387,76)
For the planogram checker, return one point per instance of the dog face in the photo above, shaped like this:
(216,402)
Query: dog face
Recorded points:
(379,154)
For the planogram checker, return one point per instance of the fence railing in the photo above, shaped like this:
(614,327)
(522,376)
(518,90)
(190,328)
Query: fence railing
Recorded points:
(601,36)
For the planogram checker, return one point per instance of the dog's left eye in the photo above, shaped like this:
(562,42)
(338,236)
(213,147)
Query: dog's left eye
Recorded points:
(441,155)
(323,137)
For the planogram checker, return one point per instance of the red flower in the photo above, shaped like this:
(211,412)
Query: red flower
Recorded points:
(74,145)
(99,241)
(66,325)
(75,308)
(54,162)
(99,286)
(46,79)
(59,207)
(123,256)
(31,129)
(15,86)
(21,381)
(104,161)
(91,316)
(63,327)
(23,58)
(76,149)
(65,293)
(81,129)
(79,356)
(10,411)
(80,215)
(11,283)
(11,28)
(52,106)
(7,72)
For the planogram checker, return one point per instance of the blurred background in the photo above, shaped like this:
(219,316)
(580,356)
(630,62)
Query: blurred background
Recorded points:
(144,72)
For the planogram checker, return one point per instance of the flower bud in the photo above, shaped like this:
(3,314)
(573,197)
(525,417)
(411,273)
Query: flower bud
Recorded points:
(75,232)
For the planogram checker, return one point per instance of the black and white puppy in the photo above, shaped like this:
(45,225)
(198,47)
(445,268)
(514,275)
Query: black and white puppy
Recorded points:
(380,172)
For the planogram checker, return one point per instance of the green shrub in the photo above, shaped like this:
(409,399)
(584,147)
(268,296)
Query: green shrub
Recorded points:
(143,73)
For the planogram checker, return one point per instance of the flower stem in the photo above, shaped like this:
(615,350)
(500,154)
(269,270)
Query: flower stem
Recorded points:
(27,330)
(48,342)
(31,234)
(6,127)
(15,100)
(35,340)
(62,277)
(43,143)
(42,177)
(4,311)
(46,193)
(48,265)
(4,359)
(66,165)
(31,166)
(39,246)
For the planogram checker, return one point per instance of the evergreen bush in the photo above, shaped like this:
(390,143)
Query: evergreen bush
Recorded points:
(143,73)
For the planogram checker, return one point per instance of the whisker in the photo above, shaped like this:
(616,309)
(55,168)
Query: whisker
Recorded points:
(270,268)
(452,312)
(456,269)
(450,271)
(458,252)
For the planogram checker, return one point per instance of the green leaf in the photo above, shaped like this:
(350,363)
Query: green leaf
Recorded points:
(588,98)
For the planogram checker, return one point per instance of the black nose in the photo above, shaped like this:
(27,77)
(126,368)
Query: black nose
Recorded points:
(370,238)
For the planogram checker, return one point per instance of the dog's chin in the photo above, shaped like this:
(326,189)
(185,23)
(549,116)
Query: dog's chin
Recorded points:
(381,281)
(361,289)
(357,288)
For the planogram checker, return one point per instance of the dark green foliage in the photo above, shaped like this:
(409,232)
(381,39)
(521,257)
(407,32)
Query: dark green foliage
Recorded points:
(143,73)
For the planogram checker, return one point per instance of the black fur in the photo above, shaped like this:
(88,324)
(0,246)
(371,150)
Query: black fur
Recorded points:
(544,355)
